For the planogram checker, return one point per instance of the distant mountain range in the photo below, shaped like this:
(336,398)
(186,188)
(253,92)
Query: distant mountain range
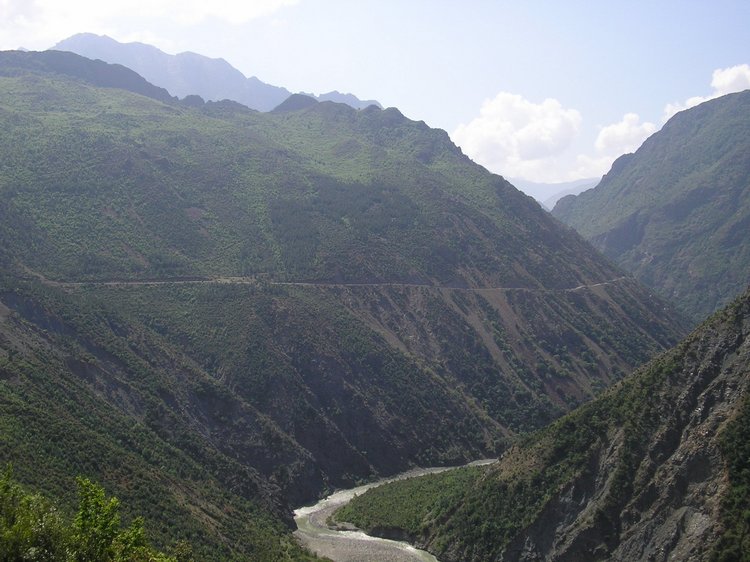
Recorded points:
(219,313)
(189,73)
(547,194)
(676,213)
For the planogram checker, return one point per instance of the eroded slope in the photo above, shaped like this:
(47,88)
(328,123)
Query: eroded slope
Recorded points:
(651,470)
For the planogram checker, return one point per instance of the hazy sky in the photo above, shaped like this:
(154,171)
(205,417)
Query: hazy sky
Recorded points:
(541,90)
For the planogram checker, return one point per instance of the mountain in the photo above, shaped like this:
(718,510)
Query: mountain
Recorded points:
(677,212)
(219,313)
(97,73)
(349,99)
(655,469)
(188,73)
(550,193)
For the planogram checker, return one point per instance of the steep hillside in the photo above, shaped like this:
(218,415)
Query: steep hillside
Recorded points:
(677,212)
(188,74)
(656,469)
(276,304)
(83,392)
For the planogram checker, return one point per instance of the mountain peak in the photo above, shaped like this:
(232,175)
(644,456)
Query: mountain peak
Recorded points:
(349,99)
(295,102)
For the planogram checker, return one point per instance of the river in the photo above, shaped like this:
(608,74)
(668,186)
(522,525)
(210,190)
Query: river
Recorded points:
(356,546)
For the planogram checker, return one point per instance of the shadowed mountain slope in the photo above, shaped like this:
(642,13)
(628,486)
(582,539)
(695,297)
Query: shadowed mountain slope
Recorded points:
(677,212)
(96,73)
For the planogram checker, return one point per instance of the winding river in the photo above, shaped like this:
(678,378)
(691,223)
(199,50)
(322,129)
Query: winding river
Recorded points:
(356,546)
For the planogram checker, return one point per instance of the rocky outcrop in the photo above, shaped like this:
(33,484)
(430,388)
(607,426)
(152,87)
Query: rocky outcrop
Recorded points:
(670,507)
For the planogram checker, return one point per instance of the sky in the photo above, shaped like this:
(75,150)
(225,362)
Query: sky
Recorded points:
(546,91)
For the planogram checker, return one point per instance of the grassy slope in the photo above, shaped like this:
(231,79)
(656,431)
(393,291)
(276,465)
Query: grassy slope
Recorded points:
(116,186)
(323,194)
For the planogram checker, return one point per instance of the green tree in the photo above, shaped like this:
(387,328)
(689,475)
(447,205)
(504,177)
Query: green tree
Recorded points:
(30,527)
(96,525)
(96,532)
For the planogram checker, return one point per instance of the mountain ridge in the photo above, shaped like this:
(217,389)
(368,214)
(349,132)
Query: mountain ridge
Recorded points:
(98,73)
(188,73)
(675,212)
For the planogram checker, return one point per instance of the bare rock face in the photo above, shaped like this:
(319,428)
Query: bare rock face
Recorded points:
(670,507)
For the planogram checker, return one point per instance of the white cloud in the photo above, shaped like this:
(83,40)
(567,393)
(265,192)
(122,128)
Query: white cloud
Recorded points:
(730,80)
(519,138)
(38,24)
(625,136)
(724,81)
(588,166)
(613,141)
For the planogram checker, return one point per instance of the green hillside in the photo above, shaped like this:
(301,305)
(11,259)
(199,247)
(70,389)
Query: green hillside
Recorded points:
(104,185)
(677,212)
(219,314)
(84,393)
(656,467)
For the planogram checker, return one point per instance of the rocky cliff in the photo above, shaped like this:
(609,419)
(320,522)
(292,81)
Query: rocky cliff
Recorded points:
(653,489)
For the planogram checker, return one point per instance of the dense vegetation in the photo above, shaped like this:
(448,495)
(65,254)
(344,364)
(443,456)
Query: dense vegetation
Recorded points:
(218,314)
(83,391)
(677,212)
(101,184)
(595,479)
(33,528)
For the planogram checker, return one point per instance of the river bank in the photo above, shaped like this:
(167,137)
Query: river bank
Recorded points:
(355,546)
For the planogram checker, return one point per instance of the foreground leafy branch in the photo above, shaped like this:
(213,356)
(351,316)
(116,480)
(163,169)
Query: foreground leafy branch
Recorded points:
(32,528)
